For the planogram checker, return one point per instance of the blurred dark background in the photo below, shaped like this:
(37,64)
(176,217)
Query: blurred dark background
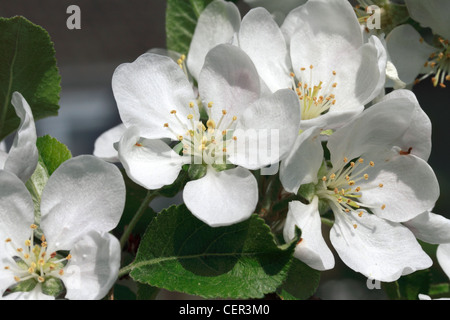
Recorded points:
(117,31)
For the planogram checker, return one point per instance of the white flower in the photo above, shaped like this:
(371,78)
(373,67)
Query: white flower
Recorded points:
(377,178)
(23,155)
(156,101)
(319,51)
(82,201)
(443,257)
(411,55)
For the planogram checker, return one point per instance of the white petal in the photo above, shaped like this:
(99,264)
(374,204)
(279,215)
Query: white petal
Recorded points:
(410,187)
(16,209)
(229,79)
(3,146)
(267,130)
(276,6)
(417,138)
(378,127)
(312,248)
(23,155)
(147,90)
(3,157)
(93,268)
(431,14)
(217,24)
(408,52)
(378,249)
(150,163)
(430,227)
(83,194)
(261,38)
(104,145)
(6,260)
(443,256)
(332,120)
(333,17)
(222,198)
(303,163)
(382,59)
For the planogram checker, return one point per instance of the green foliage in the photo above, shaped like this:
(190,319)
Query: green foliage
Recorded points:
(27,65)
(301,283)
(52,153)
(181,20)
(181,253)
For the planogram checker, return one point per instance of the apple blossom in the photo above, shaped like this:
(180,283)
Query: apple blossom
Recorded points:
(376,179)
(82,201)
(318,51)
(410,53)
(156,101)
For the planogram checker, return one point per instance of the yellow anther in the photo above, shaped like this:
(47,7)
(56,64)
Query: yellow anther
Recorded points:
(360,214)
(8,240)
(61,272)
(17,279)
(41,262)
(447,78)
(347,210)
(324,178)
(7,268)
(381,185)
(358,189)
(26,255)
(366,176)
(334,85)
(190,116)
(30,270)
(234,118)
(351,183)
(352,164)
(336,190)
(137,144)
(383,207)
(33,226)
(69,256)
(183,57)
(361,160)
(19,249)
(210,105)
(372,164)
(211,124)
(311,67)
(224,132)
(224,112)
(224,149)
(334,73)
(332,176)
(41,279)
(44,244)
(173,111)
(191,104)
(234,138)
(180,138)
(166,125)
(303,69)
(52,266)
(345,159)
(347,177)
(292,74)
(355,226)
(339,199)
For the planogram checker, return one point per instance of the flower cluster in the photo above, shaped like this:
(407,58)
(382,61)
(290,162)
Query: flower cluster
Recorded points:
(283,113)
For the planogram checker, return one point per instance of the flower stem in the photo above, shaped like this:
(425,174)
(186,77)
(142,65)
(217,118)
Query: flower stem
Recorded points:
(144,205)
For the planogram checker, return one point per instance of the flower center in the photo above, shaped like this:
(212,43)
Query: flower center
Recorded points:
(205,143)
(439,64)
(315,98)
(340,186)
(34,262)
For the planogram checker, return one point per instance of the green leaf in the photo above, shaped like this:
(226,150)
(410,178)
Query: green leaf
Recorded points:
(52,152)
(146,292)
(27,65)
(181,20)
(301,283)
(180,253)
(412,285)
